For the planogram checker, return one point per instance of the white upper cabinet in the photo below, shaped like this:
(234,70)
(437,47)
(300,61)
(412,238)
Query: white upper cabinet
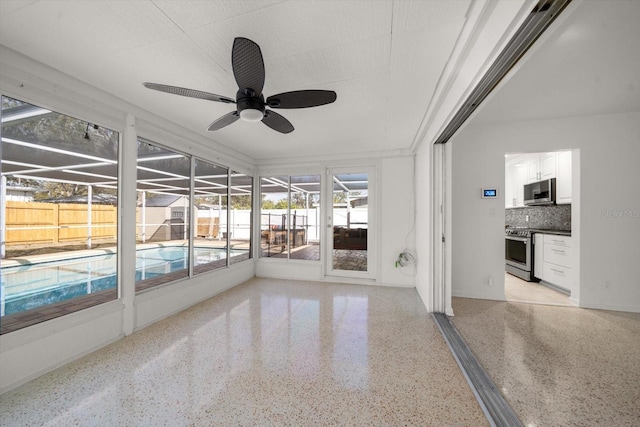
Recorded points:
(548,163)
(524,169)
(533,170)
(508,187)
(563,177)
(541,166)
(515,179)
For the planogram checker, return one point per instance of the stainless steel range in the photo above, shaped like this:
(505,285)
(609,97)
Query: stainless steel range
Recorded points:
(519,253)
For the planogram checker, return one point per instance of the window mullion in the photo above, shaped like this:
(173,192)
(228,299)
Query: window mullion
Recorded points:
(288,240)
(228,217)
(127,199)
(193,224)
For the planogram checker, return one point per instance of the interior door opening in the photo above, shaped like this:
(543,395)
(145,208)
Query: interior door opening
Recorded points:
(540,252)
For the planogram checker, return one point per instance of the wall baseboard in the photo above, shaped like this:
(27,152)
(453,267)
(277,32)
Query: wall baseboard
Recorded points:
(610,307)
(465,293)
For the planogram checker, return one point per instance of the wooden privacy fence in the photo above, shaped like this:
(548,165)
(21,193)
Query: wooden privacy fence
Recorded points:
(31,222)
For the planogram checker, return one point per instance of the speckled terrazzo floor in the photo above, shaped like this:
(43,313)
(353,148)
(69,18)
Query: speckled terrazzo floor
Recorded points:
(268,352)
(557,366)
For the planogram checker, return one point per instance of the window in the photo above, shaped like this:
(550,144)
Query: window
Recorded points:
(59,219)
(305,217)
(273,216)
(221,235)
(240,218)
(59,200)
(162,215)
(210,205)
(290,217)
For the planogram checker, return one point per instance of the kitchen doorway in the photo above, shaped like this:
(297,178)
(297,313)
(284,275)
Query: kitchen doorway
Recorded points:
(540,252)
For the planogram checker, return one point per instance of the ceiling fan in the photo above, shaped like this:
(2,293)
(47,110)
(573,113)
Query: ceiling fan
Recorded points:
(248,70)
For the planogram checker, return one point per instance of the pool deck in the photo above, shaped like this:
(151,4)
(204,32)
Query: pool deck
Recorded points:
(22,319)
(56,256)
(68,255)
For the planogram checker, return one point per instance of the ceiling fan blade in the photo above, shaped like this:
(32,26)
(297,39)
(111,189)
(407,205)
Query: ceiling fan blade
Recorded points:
(276,122)
(248,65)
(191,93)
(225,120)
(301,99)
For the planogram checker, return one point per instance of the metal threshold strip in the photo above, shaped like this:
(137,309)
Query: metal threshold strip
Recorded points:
(494,405)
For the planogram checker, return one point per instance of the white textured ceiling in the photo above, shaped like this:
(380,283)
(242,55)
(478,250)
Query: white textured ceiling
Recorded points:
(383,58)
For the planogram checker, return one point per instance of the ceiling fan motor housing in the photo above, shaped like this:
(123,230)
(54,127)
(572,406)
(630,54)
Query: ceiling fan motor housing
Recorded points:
(245,101)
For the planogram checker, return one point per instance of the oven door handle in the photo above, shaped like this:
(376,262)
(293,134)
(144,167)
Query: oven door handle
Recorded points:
(519,239)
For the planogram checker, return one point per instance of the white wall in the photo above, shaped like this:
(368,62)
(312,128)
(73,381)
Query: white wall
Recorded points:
(423,222)
(608,229)
(30,352)
(396,220)
(164,301)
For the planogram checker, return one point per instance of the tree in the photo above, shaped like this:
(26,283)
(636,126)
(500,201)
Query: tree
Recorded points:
(267,204)
(241,201)
(53,190)
(341,196)
(298,201)
(281,204)
(21,182)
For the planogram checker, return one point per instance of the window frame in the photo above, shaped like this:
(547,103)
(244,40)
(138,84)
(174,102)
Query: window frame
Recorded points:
(82,302)
(281,178)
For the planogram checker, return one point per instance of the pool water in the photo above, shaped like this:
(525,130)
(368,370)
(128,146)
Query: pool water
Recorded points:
(30,286)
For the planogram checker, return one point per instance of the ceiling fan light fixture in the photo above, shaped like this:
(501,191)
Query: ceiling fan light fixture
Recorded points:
(251,115)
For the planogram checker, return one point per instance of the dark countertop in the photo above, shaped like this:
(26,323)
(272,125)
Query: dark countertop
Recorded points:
(556,232)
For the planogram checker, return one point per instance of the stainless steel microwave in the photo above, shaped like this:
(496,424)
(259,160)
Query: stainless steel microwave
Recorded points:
(540,193)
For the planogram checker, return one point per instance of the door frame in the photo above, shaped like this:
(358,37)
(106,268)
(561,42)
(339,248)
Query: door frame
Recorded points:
(372,231)
(440,295)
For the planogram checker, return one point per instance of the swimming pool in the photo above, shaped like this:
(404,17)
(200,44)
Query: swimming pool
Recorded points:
(30,286)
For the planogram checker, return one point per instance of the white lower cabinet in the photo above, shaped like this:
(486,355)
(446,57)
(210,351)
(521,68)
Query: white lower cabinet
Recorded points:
(557,275)
(557,256)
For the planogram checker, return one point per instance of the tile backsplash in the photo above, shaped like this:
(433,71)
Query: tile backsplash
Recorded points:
(552,217)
